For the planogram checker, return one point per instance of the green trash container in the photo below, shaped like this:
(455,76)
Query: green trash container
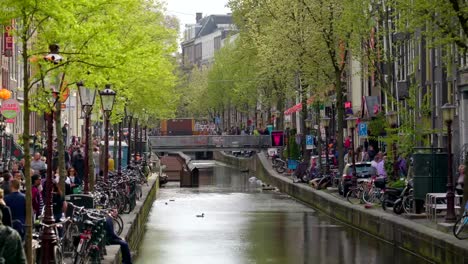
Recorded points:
(430,171)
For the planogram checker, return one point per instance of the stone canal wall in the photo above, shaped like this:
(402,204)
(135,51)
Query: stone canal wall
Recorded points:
(135,222)
(406,234)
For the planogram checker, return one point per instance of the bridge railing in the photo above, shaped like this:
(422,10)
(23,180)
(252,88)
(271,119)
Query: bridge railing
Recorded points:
(210,142)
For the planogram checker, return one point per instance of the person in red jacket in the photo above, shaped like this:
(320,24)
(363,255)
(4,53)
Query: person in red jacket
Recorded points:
(37,201)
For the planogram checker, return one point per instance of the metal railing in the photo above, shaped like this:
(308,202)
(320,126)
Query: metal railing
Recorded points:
(209,142)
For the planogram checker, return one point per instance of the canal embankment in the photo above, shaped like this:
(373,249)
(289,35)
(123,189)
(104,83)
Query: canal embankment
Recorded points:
(135,222)
(423,241)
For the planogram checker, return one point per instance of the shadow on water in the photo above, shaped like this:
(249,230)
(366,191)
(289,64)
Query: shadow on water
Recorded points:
(243,224)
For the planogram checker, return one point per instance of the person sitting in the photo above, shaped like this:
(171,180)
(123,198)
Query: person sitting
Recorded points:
(114,239)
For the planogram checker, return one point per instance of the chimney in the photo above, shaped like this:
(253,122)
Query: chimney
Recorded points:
(199,16)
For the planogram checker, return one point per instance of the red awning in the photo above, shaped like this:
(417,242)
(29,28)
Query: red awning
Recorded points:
(298,107)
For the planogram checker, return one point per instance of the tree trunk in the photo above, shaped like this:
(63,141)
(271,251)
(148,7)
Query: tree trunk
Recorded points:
(27,156)
(90,163)
(60,146)
(305,153)
(340,117)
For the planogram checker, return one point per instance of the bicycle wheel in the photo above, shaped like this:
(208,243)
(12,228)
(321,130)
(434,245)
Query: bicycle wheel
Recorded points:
(280,169)
(384,202)
(58,255)
(127,208)
(459,229)
(116,225)
(354,196)
(121,224)
(408,203)
(368,196)
(67,240)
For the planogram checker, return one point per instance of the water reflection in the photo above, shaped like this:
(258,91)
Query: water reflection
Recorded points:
(243,224)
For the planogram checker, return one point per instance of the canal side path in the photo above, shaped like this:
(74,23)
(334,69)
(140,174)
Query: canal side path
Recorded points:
(417,235)
(135,221)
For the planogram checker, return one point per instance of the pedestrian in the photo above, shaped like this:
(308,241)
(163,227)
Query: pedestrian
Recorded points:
(5,210)
(371,152)
(58,202)
(65,133)
(96,160)
(381,165)
(78,164)
(72,182)
(17,203)
(37,201)
(11,247)
(111,163)
(114,239)
(6,182)
(347,143)
(461,179)
(37,164)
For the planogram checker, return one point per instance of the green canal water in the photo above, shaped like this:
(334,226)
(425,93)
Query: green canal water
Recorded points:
(243,224)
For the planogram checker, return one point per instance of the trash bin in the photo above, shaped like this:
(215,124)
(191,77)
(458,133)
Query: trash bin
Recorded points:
(81,200)
(430,171)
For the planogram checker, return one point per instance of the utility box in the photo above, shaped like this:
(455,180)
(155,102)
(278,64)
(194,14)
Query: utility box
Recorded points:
(81,200)
(430,171)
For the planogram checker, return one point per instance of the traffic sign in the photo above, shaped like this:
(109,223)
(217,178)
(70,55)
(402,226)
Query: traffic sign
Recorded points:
(362,129)
(309,142)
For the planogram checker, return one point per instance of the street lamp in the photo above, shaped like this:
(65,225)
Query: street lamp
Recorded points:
(325,122)
(392,119)
(135,116)
(87,98)
(49,236)
(448,114)
(351,121)
(107,101)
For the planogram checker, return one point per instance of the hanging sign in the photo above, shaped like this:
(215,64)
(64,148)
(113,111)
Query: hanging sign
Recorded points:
(10,108)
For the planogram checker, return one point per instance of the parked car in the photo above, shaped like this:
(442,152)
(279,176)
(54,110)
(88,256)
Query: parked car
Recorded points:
(364,170)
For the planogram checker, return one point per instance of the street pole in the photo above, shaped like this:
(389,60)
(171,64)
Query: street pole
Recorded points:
(141,142)
(119,169)
(327,165)
(136,139)
(353,158)
(450,216)
(129,152)
(49,237)
(106,146)
(87,156)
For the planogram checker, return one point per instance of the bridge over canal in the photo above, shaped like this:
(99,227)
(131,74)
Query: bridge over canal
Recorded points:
(208,143)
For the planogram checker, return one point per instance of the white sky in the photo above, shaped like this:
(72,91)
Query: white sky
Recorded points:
(185,9)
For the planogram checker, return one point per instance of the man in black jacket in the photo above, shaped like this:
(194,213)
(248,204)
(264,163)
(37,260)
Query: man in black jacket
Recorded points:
(11,249)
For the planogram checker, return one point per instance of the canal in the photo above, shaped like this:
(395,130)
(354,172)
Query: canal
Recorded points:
(244,224)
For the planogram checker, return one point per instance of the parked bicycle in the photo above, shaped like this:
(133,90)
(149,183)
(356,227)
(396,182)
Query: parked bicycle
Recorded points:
(460,229)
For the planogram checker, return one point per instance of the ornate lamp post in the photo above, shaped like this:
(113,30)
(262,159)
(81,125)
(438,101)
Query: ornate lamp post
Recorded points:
(351,120)
(107,101)
(49,238)
(325,122)
(135,116)
(87,97)
(392,119)
(448,113)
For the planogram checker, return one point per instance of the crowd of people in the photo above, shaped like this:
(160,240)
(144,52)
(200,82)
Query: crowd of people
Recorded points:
(12,190)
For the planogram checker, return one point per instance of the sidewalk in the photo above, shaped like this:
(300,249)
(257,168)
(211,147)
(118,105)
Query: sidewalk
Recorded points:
(415,235)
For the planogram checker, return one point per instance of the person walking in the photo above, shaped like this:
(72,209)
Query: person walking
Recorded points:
(96,160)
(5,210)
(6,182)
(11,247)
(17,203)
(37,164)
(37,201)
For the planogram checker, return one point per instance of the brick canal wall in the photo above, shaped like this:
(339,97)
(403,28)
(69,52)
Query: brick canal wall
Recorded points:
(135,222)
(422,241)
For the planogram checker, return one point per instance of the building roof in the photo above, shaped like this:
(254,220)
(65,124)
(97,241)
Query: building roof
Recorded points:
(210,23)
